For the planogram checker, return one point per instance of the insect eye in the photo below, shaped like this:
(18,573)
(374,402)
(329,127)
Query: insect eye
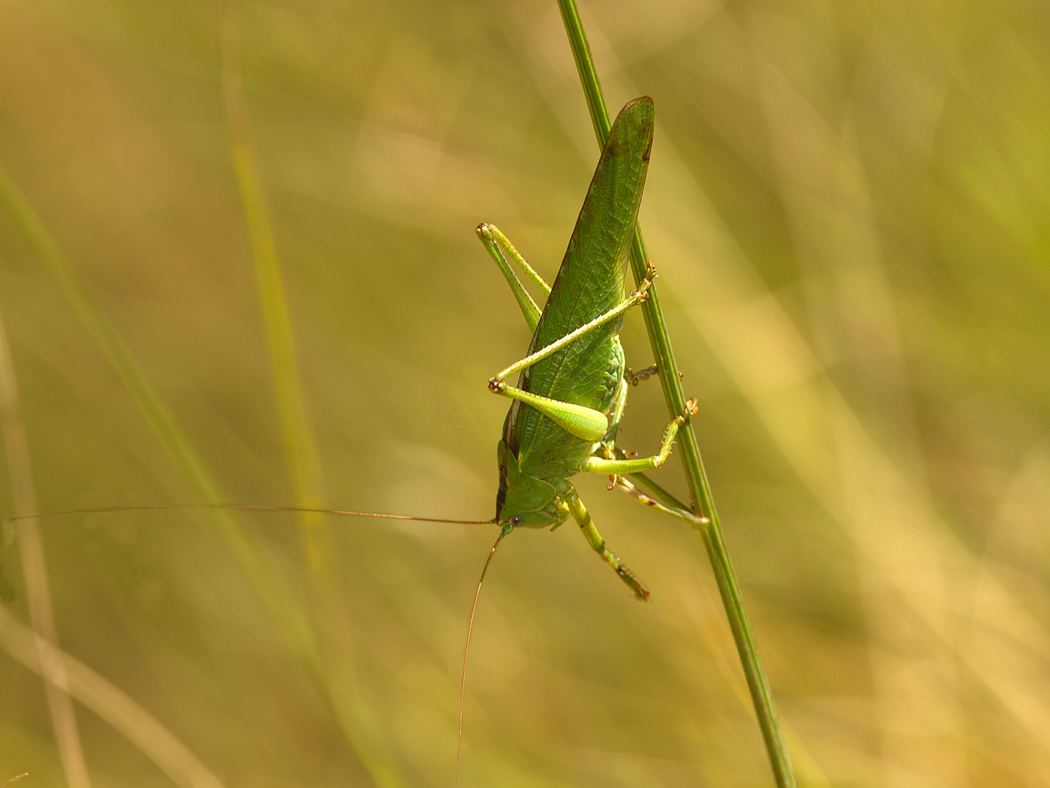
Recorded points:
(515,521)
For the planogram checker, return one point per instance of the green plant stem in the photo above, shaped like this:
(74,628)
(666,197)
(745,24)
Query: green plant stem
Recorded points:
(699,489)
(336,679)
(296,427)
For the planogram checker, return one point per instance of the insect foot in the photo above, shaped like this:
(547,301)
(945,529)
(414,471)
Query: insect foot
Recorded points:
(634,378)
(642,293)
(690,409)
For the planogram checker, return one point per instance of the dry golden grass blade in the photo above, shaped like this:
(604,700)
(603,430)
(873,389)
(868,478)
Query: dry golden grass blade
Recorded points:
(110,703)
(34,570)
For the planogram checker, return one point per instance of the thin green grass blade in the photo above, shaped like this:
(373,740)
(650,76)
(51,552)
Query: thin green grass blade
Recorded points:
(699,488)
(296,426)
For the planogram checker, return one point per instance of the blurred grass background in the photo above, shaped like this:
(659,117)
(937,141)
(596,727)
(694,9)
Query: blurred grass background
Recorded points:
(847,205)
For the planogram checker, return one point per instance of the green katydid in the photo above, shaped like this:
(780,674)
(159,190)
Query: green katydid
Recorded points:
(571,392)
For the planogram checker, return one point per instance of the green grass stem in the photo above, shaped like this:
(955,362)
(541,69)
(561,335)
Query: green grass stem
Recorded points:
(699,488)
(297,430)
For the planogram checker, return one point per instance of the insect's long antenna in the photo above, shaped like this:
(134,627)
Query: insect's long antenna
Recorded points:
(242,507)
(466,650)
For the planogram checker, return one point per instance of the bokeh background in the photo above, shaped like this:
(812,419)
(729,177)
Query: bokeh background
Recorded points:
(848,208)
